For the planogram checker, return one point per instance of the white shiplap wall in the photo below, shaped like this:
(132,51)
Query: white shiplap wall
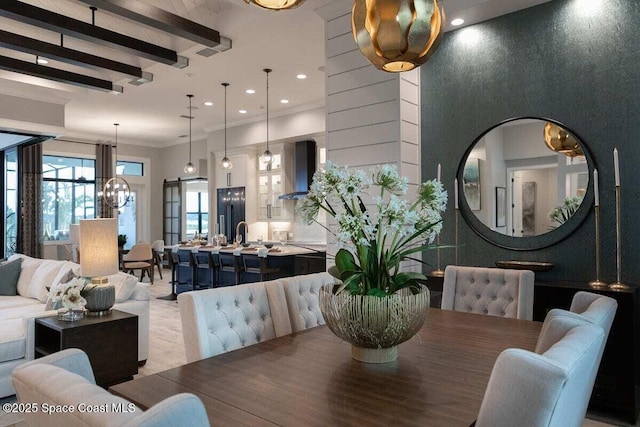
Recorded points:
(372,117)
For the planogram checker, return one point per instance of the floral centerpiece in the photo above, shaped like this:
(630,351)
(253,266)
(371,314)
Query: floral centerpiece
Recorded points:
(71,295)
(377,229)
(561,214)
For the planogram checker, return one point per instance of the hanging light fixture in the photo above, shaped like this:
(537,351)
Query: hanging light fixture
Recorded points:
(276,4)
(189,167)
(397,36)
(267,156)
(116,191)
(561,141)
(226,162)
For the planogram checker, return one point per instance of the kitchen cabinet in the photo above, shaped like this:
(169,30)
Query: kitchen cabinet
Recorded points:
(270,187)
(236,176)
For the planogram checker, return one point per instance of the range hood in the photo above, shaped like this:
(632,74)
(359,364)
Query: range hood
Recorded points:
(305,167)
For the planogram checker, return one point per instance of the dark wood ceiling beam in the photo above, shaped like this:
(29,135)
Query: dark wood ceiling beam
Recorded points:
(160,19)
(63,54)
(52,21)
(62,76)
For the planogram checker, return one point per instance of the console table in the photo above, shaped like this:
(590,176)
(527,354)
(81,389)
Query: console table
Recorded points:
(616,391)
(110,341)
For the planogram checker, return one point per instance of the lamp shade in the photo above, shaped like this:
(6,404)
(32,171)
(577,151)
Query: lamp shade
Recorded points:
(98,247)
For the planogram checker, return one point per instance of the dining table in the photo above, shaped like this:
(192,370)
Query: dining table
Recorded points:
(309,378)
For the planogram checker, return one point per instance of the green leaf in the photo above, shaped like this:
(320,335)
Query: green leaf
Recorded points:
(376,292)
(345,261)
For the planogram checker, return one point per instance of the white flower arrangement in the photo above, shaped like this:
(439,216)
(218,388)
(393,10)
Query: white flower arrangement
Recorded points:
(70,294)
(375,242)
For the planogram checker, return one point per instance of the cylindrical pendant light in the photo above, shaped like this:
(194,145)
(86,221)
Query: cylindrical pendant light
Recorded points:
(267,156)
(276,4)
(189,167)
(226,162)
(397,35)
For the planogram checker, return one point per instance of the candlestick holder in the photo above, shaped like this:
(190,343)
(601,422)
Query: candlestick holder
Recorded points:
(457,214)
(618,284)
(438,272)
(597,284)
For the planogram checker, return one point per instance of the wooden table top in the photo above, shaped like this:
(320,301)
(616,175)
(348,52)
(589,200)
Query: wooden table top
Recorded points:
(309,378)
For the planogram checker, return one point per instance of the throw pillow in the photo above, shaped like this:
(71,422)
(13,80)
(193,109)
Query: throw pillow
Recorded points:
(9,274)
(124,283)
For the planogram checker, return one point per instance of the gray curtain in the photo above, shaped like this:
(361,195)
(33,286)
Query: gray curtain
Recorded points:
(30,238)
(104,171)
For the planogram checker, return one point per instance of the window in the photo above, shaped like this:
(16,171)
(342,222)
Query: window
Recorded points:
(130,168)
(68,193)
(11,201)
(197,212)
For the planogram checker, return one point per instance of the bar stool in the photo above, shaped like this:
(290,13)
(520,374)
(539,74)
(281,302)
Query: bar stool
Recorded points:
(185,268)
(254,264)
(205,273)
(230,263)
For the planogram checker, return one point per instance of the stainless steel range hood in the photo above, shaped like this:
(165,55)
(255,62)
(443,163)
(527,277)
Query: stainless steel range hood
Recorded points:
(305,167)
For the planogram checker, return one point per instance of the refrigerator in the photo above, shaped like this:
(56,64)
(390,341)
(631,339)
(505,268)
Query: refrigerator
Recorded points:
(231,210)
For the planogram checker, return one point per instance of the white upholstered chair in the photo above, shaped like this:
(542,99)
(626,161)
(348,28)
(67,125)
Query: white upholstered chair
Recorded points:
(66,378)
(551,389)
(302,299)
(222,319)
(492,291)
(157,249)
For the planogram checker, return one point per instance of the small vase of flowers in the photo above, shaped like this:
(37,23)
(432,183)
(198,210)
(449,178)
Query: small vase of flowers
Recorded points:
(378,305)
(70,296)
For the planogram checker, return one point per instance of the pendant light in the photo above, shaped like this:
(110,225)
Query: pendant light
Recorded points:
(189,167)
(116,191)
(226,162)
(267,156)
(276,4)
(561,141)
(397,36)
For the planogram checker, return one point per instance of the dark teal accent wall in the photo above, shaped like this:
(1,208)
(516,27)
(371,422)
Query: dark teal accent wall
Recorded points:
(556,61)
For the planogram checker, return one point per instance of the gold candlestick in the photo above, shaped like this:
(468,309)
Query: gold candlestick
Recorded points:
(618,284)
(598,284)
(457,214)
(438,272)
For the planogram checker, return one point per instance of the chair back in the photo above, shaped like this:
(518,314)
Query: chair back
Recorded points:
(545,390)
(303,301)
(66,379)
(596,309)
(218,320)
(139,252)
(158,245)
(492,291)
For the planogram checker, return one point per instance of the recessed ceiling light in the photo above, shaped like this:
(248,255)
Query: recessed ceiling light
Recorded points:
(208,103)
(284,101)
(301,76)
(250,91)
(457,21)
(242,111)
(42,61)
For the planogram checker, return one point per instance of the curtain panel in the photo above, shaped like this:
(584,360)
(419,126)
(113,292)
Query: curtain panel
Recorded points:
(30,238)
(104,171)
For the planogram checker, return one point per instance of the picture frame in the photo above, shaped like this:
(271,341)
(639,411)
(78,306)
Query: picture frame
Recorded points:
(501,206)
(471,183)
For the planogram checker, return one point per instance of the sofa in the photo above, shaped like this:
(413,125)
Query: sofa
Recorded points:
(18,313)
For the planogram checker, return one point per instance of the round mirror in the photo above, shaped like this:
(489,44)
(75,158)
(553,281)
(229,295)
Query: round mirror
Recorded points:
(523,183)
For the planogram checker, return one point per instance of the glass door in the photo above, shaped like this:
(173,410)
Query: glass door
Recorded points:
(11,201)
(171,213)
(127,220)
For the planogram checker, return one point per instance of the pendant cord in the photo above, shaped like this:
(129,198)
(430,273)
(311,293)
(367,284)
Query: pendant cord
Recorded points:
(190,118)
(225,120)
(115,174)
(267,110)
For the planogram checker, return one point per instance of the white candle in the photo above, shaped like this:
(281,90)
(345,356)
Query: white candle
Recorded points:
(439,171)
(616,167)
(455,193)
(596,191)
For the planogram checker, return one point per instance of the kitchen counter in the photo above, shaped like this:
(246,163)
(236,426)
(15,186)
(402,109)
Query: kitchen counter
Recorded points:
(276,251)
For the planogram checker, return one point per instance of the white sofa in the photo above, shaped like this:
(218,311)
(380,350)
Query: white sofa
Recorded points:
(18,313)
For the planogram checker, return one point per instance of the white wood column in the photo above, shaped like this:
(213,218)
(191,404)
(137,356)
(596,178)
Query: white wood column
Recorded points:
(372,117)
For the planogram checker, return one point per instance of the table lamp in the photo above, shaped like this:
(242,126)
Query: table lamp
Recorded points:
(99,258)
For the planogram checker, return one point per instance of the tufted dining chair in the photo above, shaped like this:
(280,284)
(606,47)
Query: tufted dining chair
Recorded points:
(222,319)
(302,299)
(65,379)
(140,257)
(551,389)
(492,291)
